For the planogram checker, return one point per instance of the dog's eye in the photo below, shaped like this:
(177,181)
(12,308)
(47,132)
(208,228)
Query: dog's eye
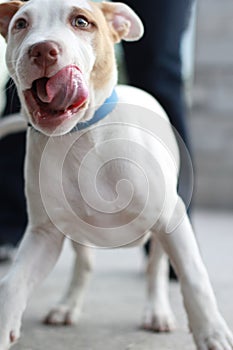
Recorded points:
(20,24)
(80,22)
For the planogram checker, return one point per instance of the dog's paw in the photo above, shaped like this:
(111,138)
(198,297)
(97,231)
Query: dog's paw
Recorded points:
(62,315)
(8,337)
(11,310)
(163,321)
(218,337)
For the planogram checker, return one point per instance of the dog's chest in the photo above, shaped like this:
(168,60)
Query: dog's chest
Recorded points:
(94,185)
(90,174)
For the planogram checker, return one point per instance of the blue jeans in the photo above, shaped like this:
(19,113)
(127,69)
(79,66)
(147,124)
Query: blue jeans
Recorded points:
(154,64)
(13,217)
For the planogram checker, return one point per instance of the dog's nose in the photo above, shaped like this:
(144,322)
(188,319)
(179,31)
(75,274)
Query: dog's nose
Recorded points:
(44,54)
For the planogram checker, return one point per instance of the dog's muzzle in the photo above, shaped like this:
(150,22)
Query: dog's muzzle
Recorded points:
(50,101)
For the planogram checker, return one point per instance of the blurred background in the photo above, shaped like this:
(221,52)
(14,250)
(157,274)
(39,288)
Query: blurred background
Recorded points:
(211,117)
(208,74)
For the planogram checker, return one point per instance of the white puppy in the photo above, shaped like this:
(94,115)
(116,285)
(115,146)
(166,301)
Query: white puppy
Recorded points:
(101,166)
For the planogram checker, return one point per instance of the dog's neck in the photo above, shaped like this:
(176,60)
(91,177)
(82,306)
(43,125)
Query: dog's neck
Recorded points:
(107,107)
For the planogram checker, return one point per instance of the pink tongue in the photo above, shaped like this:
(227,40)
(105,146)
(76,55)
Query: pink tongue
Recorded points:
(65,89)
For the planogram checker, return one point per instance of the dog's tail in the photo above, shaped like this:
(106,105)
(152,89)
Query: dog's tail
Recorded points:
(12,124)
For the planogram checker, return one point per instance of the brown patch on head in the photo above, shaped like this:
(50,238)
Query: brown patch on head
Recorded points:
(7,11)
(104,49)
(114,22)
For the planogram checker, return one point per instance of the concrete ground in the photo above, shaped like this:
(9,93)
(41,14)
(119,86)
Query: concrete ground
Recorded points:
(114,303)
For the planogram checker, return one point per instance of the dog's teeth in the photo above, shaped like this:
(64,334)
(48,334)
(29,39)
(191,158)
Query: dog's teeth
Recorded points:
(37,114)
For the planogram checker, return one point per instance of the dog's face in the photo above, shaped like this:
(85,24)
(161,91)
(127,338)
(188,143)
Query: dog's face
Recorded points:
(60,54)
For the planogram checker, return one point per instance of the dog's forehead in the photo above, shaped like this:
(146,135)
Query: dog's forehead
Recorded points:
(44,5)
(84,4)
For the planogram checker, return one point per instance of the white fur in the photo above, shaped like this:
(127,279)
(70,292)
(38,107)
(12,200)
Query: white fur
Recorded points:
(3,75)
(109,185)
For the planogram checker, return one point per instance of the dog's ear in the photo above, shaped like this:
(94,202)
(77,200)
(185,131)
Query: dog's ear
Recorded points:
(7,11)
(123,21)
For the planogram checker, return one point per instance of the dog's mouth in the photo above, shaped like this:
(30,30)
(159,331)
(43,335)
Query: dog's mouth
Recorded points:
(50,101)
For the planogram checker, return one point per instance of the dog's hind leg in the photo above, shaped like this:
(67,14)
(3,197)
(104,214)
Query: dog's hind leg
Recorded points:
(68,310)
(158,314)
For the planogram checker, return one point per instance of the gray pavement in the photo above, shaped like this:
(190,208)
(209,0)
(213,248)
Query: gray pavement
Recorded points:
(114,303)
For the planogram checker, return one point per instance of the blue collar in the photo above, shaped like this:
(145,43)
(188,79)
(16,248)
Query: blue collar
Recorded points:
(106,108)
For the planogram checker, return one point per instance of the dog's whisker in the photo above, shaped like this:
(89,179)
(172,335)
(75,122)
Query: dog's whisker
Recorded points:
(10,86)
(11,61)
(13,92)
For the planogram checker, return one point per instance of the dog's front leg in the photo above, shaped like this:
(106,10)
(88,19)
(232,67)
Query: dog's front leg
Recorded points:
(207,325)
(37,255)
(68,310)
